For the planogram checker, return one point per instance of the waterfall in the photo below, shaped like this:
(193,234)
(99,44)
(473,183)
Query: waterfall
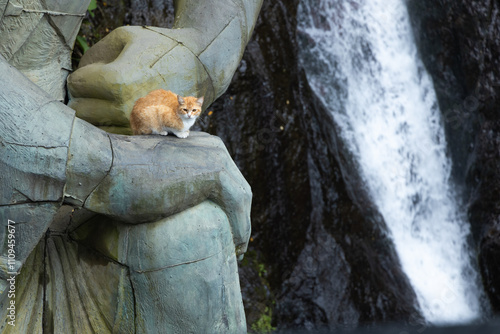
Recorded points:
(361,61)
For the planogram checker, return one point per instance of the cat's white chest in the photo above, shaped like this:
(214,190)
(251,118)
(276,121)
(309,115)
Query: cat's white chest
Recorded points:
(188,123)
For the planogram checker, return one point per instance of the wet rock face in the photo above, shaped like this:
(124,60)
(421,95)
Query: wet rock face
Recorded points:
(327,264)
(485,208)
(460,45)
(157,13)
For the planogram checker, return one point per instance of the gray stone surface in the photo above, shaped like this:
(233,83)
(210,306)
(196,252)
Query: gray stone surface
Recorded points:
(160,176)
(35,156)
(173,272)
(36,36)
(87,145)
(32,161)
(31,222)
(29,297)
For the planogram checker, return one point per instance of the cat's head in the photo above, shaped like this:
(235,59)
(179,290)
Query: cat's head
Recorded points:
(190,106)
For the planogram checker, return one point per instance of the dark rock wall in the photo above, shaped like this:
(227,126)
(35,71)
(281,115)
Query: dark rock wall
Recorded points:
(327,264)
(460,44)
(485,208)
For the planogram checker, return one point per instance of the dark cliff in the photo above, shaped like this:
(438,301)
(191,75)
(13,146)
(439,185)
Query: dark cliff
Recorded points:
(327,263)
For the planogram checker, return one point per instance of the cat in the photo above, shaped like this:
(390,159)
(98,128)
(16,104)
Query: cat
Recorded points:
(163,112)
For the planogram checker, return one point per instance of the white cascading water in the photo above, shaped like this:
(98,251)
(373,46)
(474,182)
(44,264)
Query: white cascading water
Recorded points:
(361,60)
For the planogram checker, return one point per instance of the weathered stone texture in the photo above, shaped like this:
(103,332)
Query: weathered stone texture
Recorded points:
(38,44)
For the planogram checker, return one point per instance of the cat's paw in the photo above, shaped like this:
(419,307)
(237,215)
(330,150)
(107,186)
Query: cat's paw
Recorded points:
(164,133)
(183,134)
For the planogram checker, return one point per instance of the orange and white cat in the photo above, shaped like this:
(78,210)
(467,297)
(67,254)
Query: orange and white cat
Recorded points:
(163,112)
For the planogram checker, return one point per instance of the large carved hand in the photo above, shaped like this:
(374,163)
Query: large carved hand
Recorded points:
(149,178)
(198,56)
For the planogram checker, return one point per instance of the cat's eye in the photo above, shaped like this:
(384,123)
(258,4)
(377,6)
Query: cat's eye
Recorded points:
(184,109)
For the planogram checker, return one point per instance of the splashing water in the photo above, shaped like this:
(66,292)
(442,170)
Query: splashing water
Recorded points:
(361,60)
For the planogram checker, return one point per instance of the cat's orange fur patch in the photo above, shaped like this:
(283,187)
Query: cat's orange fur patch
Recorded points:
(163,111)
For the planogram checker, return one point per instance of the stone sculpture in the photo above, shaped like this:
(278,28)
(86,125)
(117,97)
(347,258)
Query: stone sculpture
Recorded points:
(198,55)
(116,233)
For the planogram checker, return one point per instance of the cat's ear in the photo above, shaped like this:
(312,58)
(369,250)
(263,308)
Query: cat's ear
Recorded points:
(180,99)
(200,100)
